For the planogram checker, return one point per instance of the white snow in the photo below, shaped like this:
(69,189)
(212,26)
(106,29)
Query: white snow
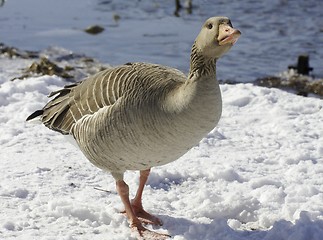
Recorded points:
(257,175)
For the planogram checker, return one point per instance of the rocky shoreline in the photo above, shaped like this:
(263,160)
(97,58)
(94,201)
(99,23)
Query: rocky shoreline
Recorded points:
(53,61)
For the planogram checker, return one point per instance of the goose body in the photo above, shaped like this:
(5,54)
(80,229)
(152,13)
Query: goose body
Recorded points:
(140,115)
(151,117)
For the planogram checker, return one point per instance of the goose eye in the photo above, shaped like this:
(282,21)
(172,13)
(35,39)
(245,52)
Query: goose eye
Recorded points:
(210,26)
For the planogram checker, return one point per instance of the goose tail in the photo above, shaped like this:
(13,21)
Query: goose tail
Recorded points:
(35,117)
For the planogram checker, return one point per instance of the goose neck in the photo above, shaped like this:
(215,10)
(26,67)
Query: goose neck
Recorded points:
(201,65)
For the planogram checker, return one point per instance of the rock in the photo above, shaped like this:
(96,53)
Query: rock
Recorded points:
(302,85)
(46,67)
(12,52)
(95,29)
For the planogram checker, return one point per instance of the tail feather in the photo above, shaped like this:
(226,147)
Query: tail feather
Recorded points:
(56,111)
(55,115)
(34,115)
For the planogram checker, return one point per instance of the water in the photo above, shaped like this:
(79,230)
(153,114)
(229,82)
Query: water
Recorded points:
(274,32)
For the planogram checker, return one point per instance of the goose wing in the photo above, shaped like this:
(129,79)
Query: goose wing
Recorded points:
(133,81)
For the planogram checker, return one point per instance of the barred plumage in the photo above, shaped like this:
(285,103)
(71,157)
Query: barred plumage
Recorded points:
(140,115)
(103,89)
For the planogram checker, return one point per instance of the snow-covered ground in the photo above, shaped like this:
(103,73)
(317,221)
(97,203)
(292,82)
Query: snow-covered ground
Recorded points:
(257,175)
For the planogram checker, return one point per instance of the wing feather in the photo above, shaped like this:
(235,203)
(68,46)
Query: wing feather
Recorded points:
(74,101)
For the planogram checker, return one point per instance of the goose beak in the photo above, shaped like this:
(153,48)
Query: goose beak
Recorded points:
(228,35)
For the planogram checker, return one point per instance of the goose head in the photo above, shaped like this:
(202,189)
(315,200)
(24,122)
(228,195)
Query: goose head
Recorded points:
(216,37)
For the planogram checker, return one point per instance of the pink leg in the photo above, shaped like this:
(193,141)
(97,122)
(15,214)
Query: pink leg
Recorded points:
(123,190)
(136,203)
(135,224)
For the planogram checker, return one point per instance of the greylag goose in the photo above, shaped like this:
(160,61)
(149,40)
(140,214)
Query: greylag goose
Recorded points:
(140,115)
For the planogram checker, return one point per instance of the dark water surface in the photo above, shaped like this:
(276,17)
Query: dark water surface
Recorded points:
(274,32)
